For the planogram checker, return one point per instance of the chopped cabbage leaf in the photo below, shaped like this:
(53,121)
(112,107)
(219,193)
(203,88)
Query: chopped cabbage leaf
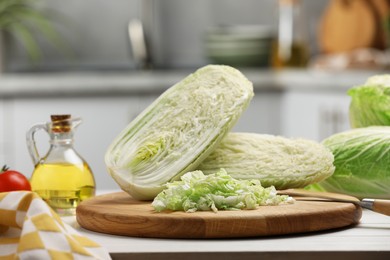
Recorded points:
(218,191)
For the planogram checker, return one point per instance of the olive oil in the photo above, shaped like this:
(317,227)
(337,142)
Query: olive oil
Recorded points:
(296,56)
(62,177)
(63,186)
(291,48)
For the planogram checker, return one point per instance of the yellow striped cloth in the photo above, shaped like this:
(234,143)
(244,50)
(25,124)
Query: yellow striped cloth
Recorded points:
(30,229)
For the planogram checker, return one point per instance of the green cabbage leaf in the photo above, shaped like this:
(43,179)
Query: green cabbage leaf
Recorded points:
(218,191)
(370,103)
(178,130)
(274,160)
(362,157)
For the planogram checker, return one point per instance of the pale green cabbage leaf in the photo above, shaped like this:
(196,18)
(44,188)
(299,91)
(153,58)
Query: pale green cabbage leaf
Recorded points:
(218,191)
(362,157)
(370,103)
(274,160)
(178,130)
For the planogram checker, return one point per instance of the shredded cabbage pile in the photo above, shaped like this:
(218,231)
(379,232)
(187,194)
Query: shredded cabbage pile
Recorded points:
(196,191)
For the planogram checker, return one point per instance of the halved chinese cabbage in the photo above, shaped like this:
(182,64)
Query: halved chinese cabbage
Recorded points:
(178,130)
(274,160)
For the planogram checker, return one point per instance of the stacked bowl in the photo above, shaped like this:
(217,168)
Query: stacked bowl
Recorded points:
(239,46)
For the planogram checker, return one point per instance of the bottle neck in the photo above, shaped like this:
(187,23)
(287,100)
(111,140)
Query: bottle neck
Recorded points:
(61,150)
(61,139)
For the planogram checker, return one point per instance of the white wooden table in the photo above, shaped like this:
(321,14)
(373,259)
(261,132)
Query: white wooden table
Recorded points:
(370,239)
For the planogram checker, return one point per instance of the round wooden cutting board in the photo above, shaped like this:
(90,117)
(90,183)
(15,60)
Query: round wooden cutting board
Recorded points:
(120,214)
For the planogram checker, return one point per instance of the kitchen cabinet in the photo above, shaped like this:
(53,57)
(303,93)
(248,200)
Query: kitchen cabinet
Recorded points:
(3,145)
(304,103)
(6,133)
(103,119)
(292,113)
(314,114)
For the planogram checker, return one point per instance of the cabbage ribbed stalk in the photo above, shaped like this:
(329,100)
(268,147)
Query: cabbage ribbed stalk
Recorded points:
(178,130)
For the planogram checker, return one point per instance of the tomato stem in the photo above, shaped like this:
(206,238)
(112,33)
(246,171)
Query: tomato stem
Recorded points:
(5,168)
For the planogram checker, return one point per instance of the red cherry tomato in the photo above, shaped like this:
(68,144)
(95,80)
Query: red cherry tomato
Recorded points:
(11,180)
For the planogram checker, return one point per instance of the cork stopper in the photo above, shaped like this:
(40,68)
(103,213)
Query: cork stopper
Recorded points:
(61,123)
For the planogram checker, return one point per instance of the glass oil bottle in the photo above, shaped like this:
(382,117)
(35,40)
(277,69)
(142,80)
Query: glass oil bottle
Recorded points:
(62,177)
(291,48)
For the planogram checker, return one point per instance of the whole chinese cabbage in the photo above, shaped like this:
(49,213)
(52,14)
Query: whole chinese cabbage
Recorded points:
(178,130)
(274,160)
(370,103)
(362,157)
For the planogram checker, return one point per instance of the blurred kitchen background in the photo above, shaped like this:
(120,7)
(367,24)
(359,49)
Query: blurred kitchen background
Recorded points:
(105,61)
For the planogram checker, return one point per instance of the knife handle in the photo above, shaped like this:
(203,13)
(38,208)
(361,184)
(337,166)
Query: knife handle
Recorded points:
(380,206)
